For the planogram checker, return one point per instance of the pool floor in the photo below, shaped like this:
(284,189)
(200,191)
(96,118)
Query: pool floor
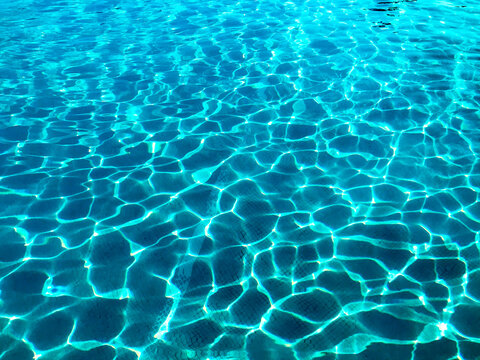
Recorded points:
(239,180)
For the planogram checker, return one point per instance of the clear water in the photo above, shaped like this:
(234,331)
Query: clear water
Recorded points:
(239,179)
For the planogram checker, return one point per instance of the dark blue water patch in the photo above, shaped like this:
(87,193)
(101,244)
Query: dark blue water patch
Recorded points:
(250,307)
(206,158)
(228,265)
(106,279)
(422,270)
(109,148)
(100,352)
(260,346)
(288,327)
(305,269)
(336,216)
(76,232)
(71,276)
(396,298)
(275,182)
(315,306)
(44,149)
(390,326)
(264,267)
(306,253)
(473,286)
(245,164)
(277,288)
(168,182)
(286,164)
(196,335)
(192,274)
(394,259)
(101,172)
(256,229)
(284,258)
(76,209)
(6,341)
(228,344)
(383,351)
(135,156)
(133,191)
(353,179)
(17,327)
(111,249)
(200,199)
(12,251)
(164,350)
(24,182)
(65,186)
(469,349)
(342,285)
(151,231)
(24,282)
(18,351)
(449,269)
(368,269)
(440,349)
(389,193)
(227,235)
(15,133)
(179,148)
(167,165)
(288,223)
(330,336)
(466,320)
(138,334)
(224,297)
(104,206)
(434,290)
(149,296)
(13,247)
(127,213)
(51,331)
(21,165)
(99,319)
(20,303)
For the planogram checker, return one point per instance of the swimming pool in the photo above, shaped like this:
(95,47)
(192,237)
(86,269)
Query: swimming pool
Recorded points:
(239,180)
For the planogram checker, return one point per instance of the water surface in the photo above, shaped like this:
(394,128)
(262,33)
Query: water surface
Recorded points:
(239,180)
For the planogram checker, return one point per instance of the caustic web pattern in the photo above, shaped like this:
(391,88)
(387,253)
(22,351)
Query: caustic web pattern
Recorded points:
(239,180)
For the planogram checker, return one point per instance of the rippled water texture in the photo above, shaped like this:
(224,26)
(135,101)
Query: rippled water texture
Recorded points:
(239,180)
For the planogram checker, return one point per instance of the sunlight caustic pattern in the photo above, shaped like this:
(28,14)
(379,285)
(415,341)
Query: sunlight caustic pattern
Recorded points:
(239,180)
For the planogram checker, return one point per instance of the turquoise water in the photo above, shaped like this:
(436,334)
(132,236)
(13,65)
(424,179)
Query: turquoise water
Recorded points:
(239,180)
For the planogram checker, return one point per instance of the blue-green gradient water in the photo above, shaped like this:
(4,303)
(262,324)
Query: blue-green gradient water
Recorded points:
(239,180)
